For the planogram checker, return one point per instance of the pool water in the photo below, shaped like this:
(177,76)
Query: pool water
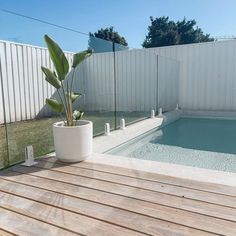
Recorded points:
(204,143)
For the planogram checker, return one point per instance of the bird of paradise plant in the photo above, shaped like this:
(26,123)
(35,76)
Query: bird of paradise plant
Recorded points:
(59,79)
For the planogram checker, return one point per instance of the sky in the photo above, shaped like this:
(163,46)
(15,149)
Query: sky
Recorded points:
(129,17)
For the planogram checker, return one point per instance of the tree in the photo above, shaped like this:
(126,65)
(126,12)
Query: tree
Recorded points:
(101,41)
(165,32)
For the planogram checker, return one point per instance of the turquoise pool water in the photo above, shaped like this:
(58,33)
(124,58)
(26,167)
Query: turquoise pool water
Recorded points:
(204,143)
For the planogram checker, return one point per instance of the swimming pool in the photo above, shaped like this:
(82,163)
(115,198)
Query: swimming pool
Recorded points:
(198,142)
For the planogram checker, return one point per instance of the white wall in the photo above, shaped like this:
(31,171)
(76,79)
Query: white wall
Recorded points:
(207,74)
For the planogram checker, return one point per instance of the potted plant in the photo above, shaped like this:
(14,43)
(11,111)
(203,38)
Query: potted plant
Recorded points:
(72,136)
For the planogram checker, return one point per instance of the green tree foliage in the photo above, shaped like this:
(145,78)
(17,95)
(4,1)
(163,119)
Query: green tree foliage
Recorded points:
(110,35)
(97,40)
(165,32)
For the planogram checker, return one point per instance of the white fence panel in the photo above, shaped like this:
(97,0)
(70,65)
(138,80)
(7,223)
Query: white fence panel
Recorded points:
(136,80)
(97,80)
(24,88)
(207,80)
(207,74)
(168,83)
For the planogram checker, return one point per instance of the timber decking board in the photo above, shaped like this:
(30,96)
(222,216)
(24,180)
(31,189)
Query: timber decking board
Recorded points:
(161,198)
(166,213)
(208,187)
(18,224)
(120,179)
(140,193)
(93,195)
(96,199)
(76,223)
(5,233)
(112,215)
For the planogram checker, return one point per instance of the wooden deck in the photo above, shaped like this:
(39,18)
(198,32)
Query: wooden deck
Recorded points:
(53,198)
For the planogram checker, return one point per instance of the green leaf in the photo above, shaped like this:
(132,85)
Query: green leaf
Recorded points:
(51,78)
(77,115)
(74,96)
(58,58)
(80,56)
(54,105)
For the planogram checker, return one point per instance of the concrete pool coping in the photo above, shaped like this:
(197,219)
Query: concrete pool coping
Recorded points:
(104,143)
(167,169)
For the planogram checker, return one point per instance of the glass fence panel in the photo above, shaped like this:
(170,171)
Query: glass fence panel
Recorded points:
(115,82)
(136,85)
(28,119)
(96,81)
(3,147)
(99,45)
(3,128)
(3,131)
(36,132)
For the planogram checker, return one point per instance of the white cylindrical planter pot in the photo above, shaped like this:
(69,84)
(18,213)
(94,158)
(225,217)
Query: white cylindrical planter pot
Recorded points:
(74,143)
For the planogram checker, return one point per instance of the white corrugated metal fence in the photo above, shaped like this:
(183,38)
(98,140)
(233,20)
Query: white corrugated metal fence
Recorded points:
(206,73)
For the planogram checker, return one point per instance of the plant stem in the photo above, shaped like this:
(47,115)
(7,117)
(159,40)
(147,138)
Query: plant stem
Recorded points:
(72,80)
(66,105)
(68,95)
(69,103)
(62,101)
(71,85)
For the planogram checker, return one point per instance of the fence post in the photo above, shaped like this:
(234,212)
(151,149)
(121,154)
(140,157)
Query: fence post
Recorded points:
(115,101)
(157,91)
